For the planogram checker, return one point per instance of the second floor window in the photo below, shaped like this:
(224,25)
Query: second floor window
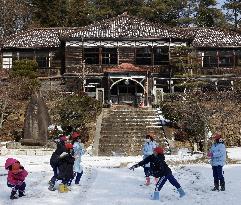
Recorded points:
(144,56)
(152,56)
(105,56)
(109,56)
(161,56)
(91,55)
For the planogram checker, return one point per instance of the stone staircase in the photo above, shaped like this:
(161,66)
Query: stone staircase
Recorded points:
(123,130)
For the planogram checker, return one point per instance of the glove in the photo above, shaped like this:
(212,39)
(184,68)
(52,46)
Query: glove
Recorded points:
(63,154)
(210,154)
(133,167)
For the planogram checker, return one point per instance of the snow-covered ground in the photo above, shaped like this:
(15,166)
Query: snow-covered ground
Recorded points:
(108,181)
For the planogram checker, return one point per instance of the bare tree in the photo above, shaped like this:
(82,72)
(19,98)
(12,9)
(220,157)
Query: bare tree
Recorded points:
(15,15)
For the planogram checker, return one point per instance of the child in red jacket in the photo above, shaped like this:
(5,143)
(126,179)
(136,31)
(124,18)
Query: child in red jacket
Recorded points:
(16,177)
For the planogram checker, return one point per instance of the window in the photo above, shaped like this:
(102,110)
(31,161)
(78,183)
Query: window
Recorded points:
(143,56)
(91,55)
(238,57)
(43,61)
(210,59)
(226,58)
(109,56)
(161,56)
(26,55)
(155,56)
(7,60)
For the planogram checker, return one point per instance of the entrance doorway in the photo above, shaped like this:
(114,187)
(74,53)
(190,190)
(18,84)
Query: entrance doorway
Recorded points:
(126,91)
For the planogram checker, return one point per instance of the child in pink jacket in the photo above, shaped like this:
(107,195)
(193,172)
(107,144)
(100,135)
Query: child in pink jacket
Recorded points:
(16,177)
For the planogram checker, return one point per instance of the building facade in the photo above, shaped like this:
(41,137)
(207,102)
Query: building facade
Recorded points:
(126,59)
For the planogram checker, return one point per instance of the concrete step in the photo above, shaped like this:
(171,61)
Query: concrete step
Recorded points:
(123,130)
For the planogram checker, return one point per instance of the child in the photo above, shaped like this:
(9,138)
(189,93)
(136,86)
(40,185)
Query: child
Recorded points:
(78,152)
(54,160)
(147,150)
(65,167)
(217,154)
(160,169)
(16,177)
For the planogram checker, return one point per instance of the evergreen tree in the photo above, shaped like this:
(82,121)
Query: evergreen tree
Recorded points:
(102,9)
(80,13)
(233,8)
(187,14)
(167,12)
(207,14)
(50,13)
(109,8)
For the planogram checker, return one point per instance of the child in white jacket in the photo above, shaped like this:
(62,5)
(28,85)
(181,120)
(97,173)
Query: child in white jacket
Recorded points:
(147,150)
(78,152)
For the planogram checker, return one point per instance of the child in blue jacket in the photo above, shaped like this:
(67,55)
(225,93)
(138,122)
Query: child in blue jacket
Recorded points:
(217,153)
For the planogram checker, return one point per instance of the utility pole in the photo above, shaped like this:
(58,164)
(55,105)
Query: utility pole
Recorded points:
(3,34)
(170,68)
(83,76)
(147,88)
(83,66)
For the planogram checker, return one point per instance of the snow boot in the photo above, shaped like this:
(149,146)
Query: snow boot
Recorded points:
(156,180)
(148,181)
(78,176)
(181,192)
(222,184)
(51,187)
(13,195)
(66,188)
(61,188)
(216,186)
(156,195)
(21,193)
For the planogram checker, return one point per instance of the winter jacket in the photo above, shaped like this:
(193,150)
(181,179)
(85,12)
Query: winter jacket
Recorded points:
(65,165)
(148,150)
(54,160)
(218,154)
(17,178)
(158,166)
(78,150)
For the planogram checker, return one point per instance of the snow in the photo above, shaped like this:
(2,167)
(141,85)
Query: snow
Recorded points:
(108,181)
(234,153)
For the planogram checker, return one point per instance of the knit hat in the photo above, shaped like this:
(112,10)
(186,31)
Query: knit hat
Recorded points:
(217,136)
(68,146)
(63,138)
(75,135)
(9,162)
(15,167)
(159,150)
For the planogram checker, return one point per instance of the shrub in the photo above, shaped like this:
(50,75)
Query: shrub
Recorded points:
(24,68)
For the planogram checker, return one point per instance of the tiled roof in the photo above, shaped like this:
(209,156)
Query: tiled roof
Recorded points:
(37,38)
(207,37)
(123,27)
(124,67)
